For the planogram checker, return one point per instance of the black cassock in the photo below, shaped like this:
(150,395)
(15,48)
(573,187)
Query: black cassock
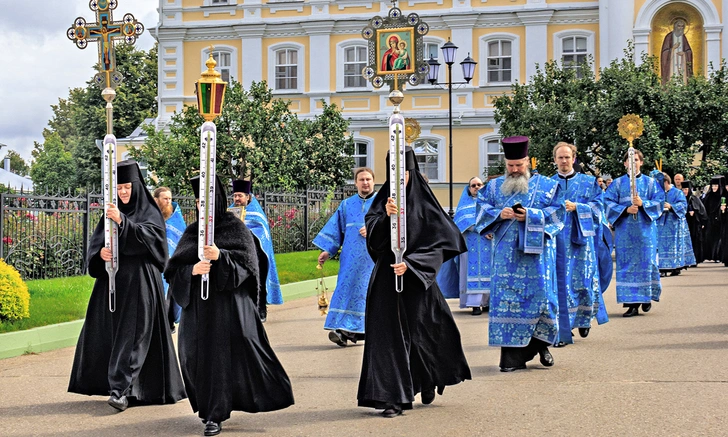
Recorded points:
(713,227)
(227,361)
(413,343)
(130,351)
(696,221)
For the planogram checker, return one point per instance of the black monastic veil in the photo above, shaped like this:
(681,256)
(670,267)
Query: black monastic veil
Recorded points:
(413,343)
(130,351)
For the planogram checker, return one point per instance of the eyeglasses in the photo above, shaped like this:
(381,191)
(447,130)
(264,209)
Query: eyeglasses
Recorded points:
(476,185)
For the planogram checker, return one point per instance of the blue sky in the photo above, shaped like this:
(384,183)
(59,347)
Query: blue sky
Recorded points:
(40,64)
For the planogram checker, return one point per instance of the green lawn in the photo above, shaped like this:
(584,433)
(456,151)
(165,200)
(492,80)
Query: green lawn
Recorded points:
(65,299)
(301,266)
(54,301)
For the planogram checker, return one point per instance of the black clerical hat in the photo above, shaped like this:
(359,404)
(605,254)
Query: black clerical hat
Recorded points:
(127,171)
(195,183)
(716,180)
(242,186)
(687,184)
(515,147)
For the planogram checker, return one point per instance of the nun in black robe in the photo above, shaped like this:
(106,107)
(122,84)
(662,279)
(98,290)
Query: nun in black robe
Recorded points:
(713,228)
(227,361)
(413,344)
(696,218)
(129,353)
(724,222)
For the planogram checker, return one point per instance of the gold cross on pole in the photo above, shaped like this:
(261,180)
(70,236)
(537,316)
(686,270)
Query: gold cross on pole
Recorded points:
(104,32)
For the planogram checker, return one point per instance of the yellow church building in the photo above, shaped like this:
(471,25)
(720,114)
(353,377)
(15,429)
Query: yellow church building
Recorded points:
(313,50)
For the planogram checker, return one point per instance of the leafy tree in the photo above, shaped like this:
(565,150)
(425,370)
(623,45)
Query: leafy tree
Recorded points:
(17,163)
(679,120)
(53,169)
(258,138)
(80,119)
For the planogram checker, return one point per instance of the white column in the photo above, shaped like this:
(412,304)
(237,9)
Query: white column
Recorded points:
(725,28)
(641,44)
(620,16)
(251,40)
(712,47)
(319,58)
(461,35)
(536,39)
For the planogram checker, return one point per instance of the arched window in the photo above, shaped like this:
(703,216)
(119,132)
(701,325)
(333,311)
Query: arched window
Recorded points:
(227,61)
(491,156)
(427,151)
(573,48)
(501,52)
(286,67)
(351,60)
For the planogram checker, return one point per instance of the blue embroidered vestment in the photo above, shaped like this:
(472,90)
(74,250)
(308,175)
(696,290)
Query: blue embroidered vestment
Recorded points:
(671,229)
(257,222)
(475,264)
(523,302)
(348,303)
(635,235)
(576,257)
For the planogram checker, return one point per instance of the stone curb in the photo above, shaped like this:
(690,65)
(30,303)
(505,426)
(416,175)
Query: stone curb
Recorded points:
(46,338)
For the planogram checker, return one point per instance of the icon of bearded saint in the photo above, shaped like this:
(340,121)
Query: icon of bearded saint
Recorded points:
(676,56)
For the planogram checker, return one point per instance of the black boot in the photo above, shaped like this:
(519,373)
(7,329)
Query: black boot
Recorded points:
(212,428)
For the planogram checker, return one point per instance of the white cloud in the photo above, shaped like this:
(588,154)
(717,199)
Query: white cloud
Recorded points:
(40,64)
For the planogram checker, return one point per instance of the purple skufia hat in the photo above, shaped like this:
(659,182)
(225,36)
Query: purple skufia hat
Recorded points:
(515,147)
(242,186)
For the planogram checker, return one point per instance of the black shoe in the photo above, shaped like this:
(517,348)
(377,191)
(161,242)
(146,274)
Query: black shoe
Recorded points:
(512,369)
(120,404)
(263,314)
(428,396)
(646,307)
(560,344)
(546,358)
(172,329)
(392,411)
(584,332)
(675,272)
(486,309)
(212,428)
(337,338)
(476,311)
(632,311)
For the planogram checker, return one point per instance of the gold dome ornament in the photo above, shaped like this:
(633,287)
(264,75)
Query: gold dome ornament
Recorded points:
(630,127)
(411,130)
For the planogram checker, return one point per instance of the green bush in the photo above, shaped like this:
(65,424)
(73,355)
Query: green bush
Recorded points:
(14,295)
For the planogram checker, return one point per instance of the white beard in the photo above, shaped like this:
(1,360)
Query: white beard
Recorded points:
(516,184)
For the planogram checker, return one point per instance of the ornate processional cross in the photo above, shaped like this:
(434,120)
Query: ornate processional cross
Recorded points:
(104,32)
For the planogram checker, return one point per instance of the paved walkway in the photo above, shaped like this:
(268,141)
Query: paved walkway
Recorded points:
(664,373)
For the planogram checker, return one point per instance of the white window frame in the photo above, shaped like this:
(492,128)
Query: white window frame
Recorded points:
(441,145)
(515,57)
(483,151)
(369,155)
(232,51)
(590,44)
(442,73)
(341,56)
(300,76)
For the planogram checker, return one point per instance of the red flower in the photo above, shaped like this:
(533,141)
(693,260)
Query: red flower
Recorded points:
(8,240)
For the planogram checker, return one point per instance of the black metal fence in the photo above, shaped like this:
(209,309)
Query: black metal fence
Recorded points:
(46,236)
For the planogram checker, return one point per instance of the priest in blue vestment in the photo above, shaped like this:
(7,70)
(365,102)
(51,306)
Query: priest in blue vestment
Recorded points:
(175,224)
(672,228)
(525,213)
(474,265)
(577,269)
(346,230)
(635,232)
(257,222)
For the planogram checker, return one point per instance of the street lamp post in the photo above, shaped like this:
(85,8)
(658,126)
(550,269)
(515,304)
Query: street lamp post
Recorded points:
(449,50)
